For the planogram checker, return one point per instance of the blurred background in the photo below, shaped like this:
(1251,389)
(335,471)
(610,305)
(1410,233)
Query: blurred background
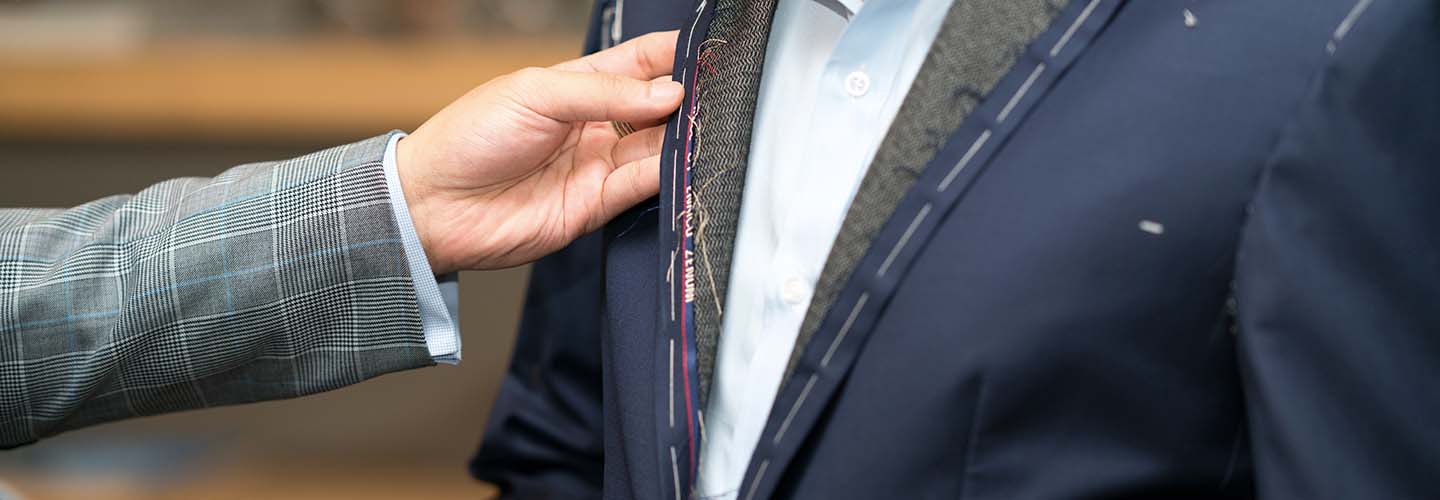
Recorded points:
(102,97)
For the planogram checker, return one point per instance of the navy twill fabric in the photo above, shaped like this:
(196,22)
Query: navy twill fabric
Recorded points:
(1198,260)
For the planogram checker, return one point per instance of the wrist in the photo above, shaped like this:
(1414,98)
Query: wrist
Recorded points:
(416,201)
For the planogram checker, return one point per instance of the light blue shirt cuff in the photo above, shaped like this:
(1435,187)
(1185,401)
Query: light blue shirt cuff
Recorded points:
(439,298)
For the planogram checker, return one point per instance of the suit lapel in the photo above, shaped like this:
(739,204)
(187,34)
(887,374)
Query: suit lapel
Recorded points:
(719,58)
(962,66)
(989,65)
(728,65)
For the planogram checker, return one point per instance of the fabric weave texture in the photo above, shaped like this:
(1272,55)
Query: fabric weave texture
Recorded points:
(730,65)
(978,43)
(269,281)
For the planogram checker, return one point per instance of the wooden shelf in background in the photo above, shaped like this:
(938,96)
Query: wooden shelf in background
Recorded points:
(253,91)
(237,481)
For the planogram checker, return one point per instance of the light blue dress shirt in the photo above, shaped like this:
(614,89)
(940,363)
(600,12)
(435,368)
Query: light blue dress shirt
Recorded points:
(835,75)
(439,299)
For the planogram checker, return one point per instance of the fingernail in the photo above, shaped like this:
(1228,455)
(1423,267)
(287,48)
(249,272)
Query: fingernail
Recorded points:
(666,90)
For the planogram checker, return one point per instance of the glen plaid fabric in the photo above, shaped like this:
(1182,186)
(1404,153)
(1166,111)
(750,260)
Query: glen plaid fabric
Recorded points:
(270,281)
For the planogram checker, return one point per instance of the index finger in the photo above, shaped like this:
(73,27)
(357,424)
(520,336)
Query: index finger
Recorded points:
(644,58)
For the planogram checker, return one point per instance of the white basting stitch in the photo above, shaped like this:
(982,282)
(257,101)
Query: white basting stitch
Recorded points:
(700,416)
(616,28)
(680,113)
(1152,227)
(672,382)
(844,329)
(1020,94)
(965,160)
(904,238)
(693,24)
(1345,25)
(670,280)
(1350,19)
(674,177)
(675,472)
(1065,39)
(785,426)
(759,475)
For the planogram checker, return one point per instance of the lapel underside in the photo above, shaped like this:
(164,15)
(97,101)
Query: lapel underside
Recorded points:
(707,144)
(991,63)
(728,65)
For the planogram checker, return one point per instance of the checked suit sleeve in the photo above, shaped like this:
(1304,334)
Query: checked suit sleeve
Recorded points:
(269,281)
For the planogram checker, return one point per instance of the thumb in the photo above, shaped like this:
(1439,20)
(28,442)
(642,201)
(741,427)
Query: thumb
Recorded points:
(625,187)
(571,96)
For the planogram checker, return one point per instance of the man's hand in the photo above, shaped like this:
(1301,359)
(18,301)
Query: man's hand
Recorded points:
(526,163)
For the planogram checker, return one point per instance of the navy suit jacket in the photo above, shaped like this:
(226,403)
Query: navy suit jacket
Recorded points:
(1198,261)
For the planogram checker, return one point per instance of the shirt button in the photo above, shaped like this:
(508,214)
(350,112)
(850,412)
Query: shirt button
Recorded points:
(857,83)
(794,290)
